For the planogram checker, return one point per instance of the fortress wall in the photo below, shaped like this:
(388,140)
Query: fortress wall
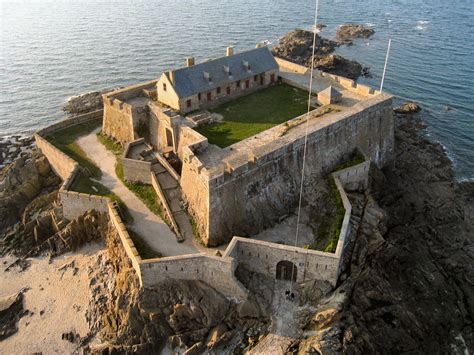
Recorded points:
(117,122)
(217,272)
(189,137)
(300,69)
(127,242)
(263,257)
(195,189)
(132,91)
(61,163)
(262,186)
(90,117)
(355,177)
(76,203)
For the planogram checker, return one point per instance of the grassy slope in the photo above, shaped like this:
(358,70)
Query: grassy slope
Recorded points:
(251,114)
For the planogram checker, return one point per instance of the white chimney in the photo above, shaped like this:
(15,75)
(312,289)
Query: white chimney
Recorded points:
(189,61)
(171,75)
(229,51)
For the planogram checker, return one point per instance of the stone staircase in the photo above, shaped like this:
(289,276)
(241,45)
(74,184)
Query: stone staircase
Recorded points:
(174,203)
(201,118)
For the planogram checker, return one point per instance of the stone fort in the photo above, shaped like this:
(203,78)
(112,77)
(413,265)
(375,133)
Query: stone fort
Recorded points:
(238,190)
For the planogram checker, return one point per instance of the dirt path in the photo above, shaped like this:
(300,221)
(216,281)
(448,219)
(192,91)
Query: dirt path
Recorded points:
(151,227)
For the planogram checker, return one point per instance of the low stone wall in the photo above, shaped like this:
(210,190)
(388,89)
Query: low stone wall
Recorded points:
(90,117)
(218,272)
(282,63)
(127,242)
(76,203)
(62,164)
(136,170)
(355,177)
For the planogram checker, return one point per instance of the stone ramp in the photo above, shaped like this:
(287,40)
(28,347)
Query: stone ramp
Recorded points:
(174,203)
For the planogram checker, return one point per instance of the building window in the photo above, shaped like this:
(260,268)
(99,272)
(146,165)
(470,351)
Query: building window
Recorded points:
(199,96)
(208,96)
(218,90)
(228,90)
(255,78)
(247,84)
(272,78)
(188,103)
(237,84)
(164,86)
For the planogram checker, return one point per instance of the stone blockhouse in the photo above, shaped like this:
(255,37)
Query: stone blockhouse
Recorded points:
(329,96)
(207,84)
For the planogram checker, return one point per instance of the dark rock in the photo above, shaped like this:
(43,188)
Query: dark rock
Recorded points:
(347,32)
(338,65)
(11,310)
(408,108)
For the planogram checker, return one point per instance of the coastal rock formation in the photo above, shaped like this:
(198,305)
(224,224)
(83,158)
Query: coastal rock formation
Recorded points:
(347,32)
(11,310)
(13,147)
(408,108)
(336,64)
(297,47)
(22,181)
(409,284)
(84,103)
(186,315)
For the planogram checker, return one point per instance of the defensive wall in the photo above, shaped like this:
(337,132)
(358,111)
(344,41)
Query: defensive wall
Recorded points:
(248,186)
(218,272)
(133,169)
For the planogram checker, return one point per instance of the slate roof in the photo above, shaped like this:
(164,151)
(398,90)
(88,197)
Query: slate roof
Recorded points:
(330,92)
(190,81)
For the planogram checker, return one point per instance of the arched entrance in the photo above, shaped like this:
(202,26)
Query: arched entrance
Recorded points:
(286,270)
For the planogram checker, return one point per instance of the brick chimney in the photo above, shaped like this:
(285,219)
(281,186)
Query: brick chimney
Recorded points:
(229,51)
(189,61)
(258,45)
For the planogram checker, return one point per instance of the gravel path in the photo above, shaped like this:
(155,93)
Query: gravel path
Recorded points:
(156,233)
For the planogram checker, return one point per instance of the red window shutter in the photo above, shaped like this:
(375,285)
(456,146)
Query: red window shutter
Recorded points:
(247,84)
(228,90)
(188,103)
(208,96)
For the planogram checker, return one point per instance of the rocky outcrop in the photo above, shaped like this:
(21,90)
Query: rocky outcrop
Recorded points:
(185,315)
(336,64)
(11,310)
(409,283)
(408,108)
(84,103)
(347,32)
(297,47)
(13,147)
(22,181)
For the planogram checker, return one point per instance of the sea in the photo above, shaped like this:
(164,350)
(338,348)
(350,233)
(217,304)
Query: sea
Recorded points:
(52,50)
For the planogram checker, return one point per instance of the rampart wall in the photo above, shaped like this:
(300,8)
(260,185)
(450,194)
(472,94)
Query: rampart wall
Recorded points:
(62,164)
(217,272)
(256,186)
(90,117)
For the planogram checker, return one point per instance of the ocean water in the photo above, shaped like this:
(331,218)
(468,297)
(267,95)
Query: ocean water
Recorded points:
(51,50)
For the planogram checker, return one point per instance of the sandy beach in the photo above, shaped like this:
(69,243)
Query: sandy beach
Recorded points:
(56,296)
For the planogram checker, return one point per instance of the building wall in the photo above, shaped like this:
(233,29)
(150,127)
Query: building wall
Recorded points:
(170,98)
(136,170)
(253,193)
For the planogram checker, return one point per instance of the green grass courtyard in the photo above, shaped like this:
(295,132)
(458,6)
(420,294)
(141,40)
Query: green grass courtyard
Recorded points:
(255,113)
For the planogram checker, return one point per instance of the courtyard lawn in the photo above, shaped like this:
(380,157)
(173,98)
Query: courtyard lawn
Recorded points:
(254,113)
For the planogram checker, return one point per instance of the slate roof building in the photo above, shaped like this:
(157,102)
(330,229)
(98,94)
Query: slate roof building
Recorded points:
(210,83)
